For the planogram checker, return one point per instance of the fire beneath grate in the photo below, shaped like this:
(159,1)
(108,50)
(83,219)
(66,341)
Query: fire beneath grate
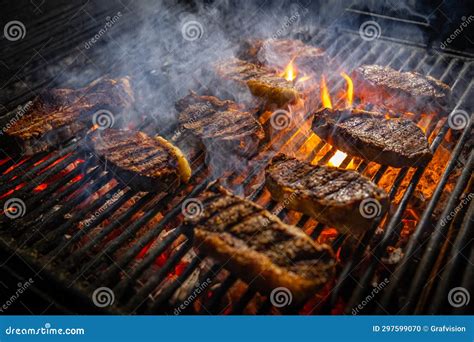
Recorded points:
(129,252)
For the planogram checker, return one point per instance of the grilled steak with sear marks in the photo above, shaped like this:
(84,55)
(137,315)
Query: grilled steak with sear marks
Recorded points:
(278,53)
(61,114)
(400,91)
(142,162)
(331,195)
(369,135)
(220,123)
(261,81)
(258,247)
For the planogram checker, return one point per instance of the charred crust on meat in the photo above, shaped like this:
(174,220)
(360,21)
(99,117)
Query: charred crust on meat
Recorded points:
(330,195)
(257,246)
(394,141)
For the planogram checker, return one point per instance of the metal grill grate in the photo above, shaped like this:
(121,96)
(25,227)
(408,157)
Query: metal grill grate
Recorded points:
(122,254)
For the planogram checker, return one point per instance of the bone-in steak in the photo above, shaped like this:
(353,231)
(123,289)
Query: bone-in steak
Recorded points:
(258,247)
(331,195)
(220,123)
(63,113)
(261,81)
(400,91)
(371,136)
(142,162)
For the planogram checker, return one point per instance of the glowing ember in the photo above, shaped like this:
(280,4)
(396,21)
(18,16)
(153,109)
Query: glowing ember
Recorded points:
(325,98)
(290,72)
(337,159)
(349,89)
(40,187)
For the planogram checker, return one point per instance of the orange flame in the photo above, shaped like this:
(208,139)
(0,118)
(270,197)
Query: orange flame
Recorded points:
(349,89)
(290,72)
(325,98)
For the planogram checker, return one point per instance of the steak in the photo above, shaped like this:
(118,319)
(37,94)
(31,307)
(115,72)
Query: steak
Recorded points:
(278,53)
(222,124)
(61,114)
(331,195)
(371,136)
(261,81)
(400,91)
(257,246)
(142,162)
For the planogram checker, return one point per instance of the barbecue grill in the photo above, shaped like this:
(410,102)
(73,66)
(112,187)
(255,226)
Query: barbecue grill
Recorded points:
(134,255)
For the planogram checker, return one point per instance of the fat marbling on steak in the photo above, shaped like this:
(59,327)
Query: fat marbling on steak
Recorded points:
(331,195)
(258,247)
(142,162)
(400,91)
(61,114)
(371,136)
(222,124)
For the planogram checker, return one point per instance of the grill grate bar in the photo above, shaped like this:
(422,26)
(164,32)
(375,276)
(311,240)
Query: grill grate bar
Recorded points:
(429,257)
(461,243)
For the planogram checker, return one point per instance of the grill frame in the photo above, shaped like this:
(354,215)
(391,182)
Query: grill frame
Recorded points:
(122,287)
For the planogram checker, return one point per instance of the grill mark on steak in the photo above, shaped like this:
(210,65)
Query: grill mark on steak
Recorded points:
(142,162)
(330,195)
(401,91)
(261,81)
(258,247)
(62,114)
(371,136)
(220,122)
(278,53)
